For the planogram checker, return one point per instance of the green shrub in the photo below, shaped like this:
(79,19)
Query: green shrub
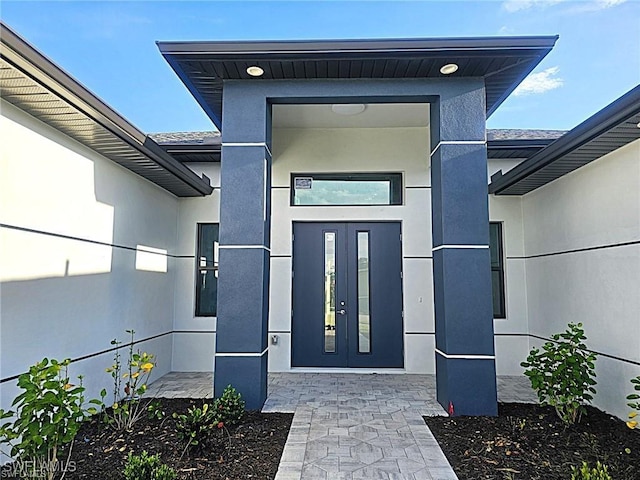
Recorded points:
(48,415)
(562,374)
(634,403)
(147,467)
(229,407)
(164,472)
(599,472)
(195,426)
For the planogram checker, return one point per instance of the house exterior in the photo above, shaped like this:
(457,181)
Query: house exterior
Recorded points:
(353,215)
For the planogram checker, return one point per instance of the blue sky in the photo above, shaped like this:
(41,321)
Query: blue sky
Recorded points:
(109,46)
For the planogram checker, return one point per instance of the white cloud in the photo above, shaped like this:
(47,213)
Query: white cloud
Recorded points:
(517,5)
(594,6)
(504,30)
(608,3)
(540,82)
(513,6)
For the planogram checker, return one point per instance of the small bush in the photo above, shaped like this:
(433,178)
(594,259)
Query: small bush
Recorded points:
(634,403)
(562,374)
(229,407)
(195,426)
(599,472)
(48,414)
(147,467)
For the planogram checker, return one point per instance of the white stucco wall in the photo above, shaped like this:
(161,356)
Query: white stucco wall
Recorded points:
(194,337)
(511,339)
(356,150)
(595,206)
(64,297)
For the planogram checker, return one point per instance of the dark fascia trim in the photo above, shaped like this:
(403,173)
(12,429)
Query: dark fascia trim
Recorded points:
(519,144)
(178,149)
(609,117)
(191,147)
(182,75)
(372,46)
(23,56)
(551,41)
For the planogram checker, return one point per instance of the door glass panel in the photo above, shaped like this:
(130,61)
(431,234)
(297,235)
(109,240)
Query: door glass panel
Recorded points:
(364,320)
(329,292)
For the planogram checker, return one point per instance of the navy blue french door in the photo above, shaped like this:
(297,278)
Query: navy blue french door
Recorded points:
(347,295)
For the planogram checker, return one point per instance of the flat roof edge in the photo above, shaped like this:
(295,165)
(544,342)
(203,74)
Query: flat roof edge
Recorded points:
(357,45)
(599,123)
(26,58)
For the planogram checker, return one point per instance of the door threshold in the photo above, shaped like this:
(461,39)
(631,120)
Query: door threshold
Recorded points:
(363,371)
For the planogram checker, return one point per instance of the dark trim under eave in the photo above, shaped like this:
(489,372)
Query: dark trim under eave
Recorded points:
(519,144)
(23,56)
(598,124)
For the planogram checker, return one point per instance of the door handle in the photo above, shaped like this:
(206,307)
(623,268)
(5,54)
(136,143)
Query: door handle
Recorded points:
(342,312)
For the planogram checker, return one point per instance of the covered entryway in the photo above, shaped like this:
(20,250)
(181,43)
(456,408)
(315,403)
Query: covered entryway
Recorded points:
(347,295)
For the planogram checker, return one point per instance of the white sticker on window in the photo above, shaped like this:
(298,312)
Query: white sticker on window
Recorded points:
(303,183)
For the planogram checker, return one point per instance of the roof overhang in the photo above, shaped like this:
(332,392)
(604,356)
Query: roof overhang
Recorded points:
(503,62)
(518,143)
(611,128)
(515,149)
(191,147)
(37,86)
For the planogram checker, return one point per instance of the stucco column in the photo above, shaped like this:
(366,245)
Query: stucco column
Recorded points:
(465,360)
(244,255)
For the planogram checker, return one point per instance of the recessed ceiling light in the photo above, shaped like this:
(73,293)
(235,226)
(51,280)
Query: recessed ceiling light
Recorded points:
(348,108)
(449,68)
(638,125)
(255,71)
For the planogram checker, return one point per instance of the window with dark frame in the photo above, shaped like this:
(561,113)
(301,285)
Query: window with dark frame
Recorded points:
(323,189)
(497,269)
(207,270)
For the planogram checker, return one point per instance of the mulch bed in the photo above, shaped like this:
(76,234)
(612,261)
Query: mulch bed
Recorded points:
(250,450)
(527,441)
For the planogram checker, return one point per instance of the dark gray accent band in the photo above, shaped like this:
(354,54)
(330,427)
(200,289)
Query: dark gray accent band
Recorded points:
(577,250)
(101,352)
(86,240)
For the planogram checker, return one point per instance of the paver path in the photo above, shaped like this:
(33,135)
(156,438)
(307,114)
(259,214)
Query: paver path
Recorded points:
(358,426)
(352,426)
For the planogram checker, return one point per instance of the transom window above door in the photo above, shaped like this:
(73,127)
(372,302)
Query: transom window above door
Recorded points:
(344,189)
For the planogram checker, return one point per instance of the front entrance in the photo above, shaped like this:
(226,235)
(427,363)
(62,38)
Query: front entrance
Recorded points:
(347,295)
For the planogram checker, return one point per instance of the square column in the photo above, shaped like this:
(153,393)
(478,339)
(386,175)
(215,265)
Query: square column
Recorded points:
(244,257)
(465,358)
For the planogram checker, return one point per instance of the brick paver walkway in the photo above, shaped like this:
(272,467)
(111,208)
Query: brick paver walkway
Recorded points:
(352,426)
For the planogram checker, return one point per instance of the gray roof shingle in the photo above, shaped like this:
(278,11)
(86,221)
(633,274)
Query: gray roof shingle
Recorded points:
(213,137)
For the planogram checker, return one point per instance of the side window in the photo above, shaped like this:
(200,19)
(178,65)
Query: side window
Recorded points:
(497,269)
(207,270)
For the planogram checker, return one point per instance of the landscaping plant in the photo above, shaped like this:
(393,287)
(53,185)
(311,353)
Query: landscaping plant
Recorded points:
(198,423)
(194,426)
(634,403)
(147,467)
(48,414)
(599,472)
(562,374)
(229,407)
(128,386)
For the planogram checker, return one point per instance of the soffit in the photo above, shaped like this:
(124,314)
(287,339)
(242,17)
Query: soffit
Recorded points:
(34,84)
(609,129)
(503,62)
